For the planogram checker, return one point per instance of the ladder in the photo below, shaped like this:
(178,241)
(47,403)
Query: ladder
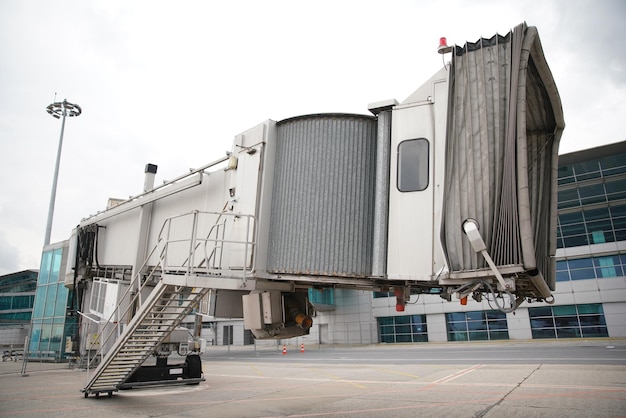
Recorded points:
(166,307)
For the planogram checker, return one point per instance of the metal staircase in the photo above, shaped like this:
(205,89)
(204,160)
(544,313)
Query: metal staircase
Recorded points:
(190,260)
(166,307)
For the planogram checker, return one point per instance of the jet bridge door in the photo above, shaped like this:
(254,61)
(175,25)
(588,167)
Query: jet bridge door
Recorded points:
(416,182)
(411,199)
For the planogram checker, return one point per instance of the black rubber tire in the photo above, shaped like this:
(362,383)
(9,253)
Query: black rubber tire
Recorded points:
(194,366)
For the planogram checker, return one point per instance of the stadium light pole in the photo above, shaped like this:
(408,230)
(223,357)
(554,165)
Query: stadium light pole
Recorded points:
(58,110)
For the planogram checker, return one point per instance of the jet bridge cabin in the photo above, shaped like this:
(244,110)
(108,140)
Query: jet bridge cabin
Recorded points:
(451,192)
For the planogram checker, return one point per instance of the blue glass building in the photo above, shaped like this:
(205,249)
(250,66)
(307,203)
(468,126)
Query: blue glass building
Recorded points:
(51,320)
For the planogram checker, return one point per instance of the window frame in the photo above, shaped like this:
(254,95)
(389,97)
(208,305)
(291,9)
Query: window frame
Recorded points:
(422,181)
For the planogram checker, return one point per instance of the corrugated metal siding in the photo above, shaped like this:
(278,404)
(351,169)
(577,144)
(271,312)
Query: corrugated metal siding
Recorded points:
(323,196)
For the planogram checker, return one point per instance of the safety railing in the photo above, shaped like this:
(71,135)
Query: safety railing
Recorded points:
(202,243)
(209,243)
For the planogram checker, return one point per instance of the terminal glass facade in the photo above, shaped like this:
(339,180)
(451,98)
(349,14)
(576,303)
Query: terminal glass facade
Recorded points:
(17,295)
(50,322)
(403,329)
(568,321)
(477,326)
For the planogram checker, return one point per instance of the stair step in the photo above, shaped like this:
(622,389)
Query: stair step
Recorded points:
(168,310)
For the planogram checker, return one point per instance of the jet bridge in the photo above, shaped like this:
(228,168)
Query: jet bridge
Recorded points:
(450,192)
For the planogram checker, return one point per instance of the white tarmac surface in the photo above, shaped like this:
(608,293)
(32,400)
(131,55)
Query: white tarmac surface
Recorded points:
(426,380)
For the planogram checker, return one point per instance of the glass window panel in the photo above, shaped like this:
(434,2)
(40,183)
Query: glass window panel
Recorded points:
(40,302)
(609,260)
(592,320)
(568,332)
(403,329)
(35,335)
(618,211)
(475,316)
(620,234)
(456,316)
(402,319)
(56,337)
(562,276)
(543,333)
(568,194)
(404,338)
(418,328)
(44,270)
(566,171)
(457,336)
(607,267)
(590,166)
(564,310)
(385,320)
(60,307)
(542,323)
(386,329)
(575,241)
(413,165)
(421,338)
(48,309)
(593,193)
(497,325)
(619,223)
(599,225)
(582,274)
(573,229)
(478,335)
(591,308)
(596,214)
(44,343)
(600,237)
(571,218)
(55,267)
(616,189)
(457,326)
(495,315)
(476,325)
(580,263)
(561,265)
(499,335)
(612,161)
(566,321)
(387,339)
(540,311)
(594,332)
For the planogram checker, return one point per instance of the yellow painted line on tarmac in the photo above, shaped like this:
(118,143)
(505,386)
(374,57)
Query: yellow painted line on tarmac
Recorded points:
(256,370)
(341,379)
(414,376)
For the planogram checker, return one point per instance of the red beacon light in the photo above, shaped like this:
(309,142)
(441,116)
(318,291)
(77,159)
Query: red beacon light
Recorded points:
(443,46)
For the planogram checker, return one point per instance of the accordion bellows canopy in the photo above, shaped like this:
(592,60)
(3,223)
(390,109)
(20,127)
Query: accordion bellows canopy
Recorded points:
(504,125)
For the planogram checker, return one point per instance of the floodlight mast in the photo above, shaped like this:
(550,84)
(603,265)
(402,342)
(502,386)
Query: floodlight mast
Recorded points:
(58,110)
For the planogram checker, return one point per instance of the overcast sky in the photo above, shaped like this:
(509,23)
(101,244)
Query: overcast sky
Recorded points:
(172,82)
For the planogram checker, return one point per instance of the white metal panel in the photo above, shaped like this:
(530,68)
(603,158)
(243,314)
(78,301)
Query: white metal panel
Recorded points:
(272,307)
(245,198)
(411,214)
(252,311)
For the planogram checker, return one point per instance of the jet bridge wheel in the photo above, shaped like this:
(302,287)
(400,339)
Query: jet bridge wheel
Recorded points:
(194,367)
(109,394)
